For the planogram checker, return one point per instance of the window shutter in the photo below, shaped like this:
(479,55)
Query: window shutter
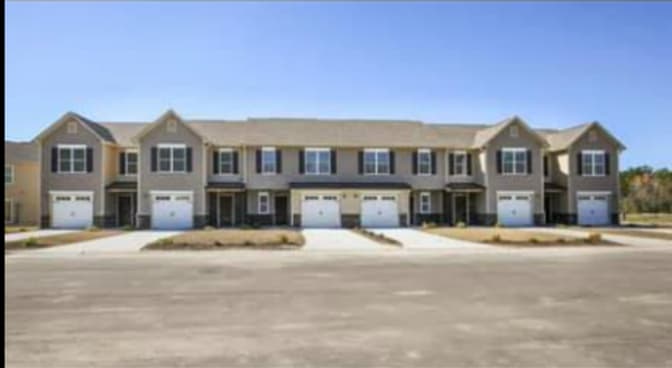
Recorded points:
(154,158)
(579,164)
(302,163)
(278,161)
(545,165)
(215,162)
(89,159)
(433,157)
(415,162)
(499,161)
(258,159)
(360,162)
(122,163)
(54,159)
(333,162)
(529,161)
(392,165)
(235,162)
(451,165)
(469,164)
(607,169)
(190,165)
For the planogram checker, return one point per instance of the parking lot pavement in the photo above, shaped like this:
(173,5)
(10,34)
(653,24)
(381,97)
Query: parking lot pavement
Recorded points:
(396,309)
(36,234)
(129,242)
(635,241)
(338,240)
(417,240)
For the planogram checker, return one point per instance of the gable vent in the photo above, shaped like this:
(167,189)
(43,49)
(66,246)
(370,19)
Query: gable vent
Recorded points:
(72,127)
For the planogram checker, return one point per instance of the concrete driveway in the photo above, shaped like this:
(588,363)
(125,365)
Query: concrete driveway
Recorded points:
(416,239)
(622,239)
(338,240)
(36,234)
(125,243)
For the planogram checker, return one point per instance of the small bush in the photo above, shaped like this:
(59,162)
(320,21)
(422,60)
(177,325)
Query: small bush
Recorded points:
(166,241)
(23,230)
(594,238)
(93,228)
(560,240)
(30,242)
(208,228)
(219,243)
(284,239)
(496,238)
(461,225)
(428,225)
(127,228)
(248,243)
(498,224)
(246,227)
(534,240)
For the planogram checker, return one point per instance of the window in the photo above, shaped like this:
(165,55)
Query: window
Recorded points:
(71,159)
(264,206)
(129,162)
(514,161)
(593,163)
(376,162)
(424,162)
(268,160)
(172,158)
(318,161)
(226,161)
(460,163)
(9,174)
(425,202)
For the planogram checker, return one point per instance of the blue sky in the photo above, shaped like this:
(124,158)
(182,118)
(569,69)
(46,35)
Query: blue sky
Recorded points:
(553,64)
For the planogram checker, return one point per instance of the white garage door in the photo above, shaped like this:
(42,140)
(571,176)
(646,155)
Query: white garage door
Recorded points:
(172,211)
(593,209)
(379,211)
(514,210)
(72,211)
(320,211)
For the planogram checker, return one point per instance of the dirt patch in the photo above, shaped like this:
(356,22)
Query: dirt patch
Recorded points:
(637,233)
(649,219)
(378,238)
(221,239)
(19,229)
(515,237)
(51,241)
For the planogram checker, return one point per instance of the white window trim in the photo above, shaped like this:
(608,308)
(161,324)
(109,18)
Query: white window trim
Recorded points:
(427,210)
(275,160)
(11,211)
(317,164)
(424,151)
(268,203)
(11,169)
(172,147)
(233,164)
(71,148)
(137,161)
(465,170)
(376,151)
(514,150)
(592,154)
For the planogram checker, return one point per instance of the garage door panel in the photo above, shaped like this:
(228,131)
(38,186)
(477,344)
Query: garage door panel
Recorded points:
(72,211)
(172,211)
(514,210)
(320,211)
(379,211)
(593,210)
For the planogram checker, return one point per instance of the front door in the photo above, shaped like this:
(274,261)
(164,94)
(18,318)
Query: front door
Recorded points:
(226,210)
(125,210)
(460,208)
(548,210)
(281,215)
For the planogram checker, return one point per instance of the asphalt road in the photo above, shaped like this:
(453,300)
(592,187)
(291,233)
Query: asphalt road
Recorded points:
(326,310)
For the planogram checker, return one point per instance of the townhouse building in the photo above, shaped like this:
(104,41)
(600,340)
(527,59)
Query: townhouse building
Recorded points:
(174,173)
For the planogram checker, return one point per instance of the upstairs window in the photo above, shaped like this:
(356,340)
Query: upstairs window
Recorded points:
(514,161)
(71,159)
(593,163)
(460,163)
(268,160)
(172,158)
(128,162)
(9,174)
(377,161)
(318,161)
(226,161)
(424,162)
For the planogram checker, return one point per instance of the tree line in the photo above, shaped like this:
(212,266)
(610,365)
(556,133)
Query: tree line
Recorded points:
(645,190)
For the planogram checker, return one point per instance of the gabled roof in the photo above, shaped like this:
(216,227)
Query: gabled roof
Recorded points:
(170,114)
(484,136)
(562,139)
(20,152)
(98,130)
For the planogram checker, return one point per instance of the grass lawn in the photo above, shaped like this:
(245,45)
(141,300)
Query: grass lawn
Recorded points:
(50,241)
(514,237)
(642,233)
(378,238)
(19,229)
(651,219)
(231,239)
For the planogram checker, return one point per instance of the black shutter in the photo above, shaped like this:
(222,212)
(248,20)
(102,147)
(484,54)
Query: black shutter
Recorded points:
(89,159)
(302,163)
(333,162)
(215,162)
(607,169)
(392,161)
(154,158)
(360,162)
(235,162)
(190,164)
(415,162)
(122,163)
(545,165)
(469,164)
(451,166)
(258,160)
(54,159)
(579,164)
(499,161)
(433,163)
(529,161)
(278,161)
